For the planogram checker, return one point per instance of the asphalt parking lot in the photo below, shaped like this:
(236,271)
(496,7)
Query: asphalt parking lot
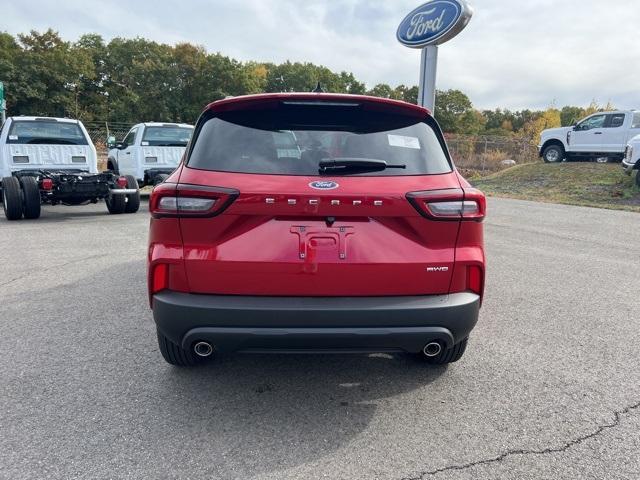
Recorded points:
(549,386)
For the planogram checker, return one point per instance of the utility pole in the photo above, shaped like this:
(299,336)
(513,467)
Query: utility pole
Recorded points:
(3,105)
(76,92)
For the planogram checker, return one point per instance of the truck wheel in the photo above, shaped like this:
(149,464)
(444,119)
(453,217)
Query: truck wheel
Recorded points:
(448,355)
(176,355)
(638,178)
(116,204)
(11,198)
(133,199)
(158,179)
(31,193)
(553,154)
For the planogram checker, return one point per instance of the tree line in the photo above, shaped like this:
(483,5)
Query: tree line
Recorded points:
(132,80)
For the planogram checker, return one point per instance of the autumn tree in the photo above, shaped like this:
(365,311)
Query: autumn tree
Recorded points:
(550,118)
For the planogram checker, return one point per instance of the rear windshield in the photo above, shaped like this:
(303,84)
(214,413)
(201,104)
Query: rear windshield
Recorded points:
(169,136)
(46,132)
(294,140)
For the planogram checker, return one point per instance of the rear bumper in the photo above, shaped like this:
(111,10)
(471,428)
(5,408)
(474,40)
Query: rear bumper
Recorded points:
(242,323)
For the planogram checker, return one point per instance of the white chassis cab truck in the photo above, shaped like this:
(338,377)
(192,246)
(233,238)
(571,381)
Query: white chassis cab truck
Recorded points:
(631,159)
(53,161)
(150,151)
(602,136)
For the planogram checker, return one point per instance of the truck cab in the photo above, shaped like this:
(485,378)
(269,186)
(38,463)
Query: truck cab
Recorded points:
(150,151)
(602,135)
(36,143)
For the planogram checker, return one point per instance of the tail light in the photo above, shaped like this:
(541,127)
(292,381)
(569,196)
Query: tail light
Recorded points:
(159,278)
(122,182)
(183,200)
(475,279)
(47,184)
(450,204)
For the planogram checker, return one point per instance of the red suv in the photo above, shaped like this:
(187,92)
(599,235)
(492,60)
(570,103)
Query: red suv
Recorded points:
(315,222)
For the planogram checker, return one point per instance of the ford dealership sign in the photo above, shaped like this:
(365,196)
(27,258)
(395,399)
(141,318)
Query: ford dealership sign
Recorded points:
(434,23)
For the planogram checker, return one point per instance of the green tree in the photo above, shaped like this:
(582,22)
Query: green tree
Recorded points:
(455,113)
(381,90)
(9,75)
(51,72)
(570,115)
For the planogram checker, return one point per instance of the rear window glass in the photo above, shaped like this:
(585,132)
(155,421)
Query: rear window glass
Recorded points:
(636,120)
(46,132)
(294,140)
(169,136)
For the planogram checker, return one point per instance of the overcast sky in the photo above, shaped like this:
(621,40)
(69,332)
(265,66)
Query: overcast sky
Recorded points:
(514,53)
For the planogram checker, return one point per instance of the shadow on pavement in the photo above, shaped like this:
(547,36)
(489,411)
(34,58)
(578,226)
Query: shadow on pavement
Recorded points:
(277,411)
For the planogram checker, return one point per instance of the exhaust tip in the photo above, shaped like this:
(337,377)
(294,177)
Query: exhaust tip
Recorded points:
(203,349)
(432,349)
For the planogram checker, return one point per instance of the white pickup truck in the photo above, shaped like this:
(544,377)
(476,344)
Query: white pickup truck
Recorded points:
(603,135)
(150,151)
(631,160)
(45,160)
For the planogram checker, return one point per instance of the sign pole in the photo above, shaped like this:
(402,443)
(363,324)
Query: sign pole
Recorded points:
(428,72)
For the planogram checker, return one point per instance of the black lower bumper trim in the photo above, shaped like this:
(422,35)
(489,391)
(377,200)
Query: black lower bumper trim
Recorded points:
(408,339)
(241,323)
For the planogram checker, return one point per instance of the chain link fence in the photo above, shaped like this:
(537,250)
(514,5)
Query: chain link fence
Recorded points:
(99,132)
(471,153)
(487,154)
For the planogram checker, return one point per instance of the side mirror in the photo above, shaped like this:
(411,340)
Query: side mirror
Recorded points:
(111,141)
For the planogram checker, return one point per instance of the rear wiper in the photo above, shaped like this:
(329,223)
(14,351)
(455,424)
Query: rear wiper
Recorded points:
(355,164)
(177,144)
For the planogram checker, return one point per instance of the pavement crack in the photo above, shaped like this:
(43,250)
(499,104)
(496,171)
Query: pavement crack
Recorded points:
(617,417)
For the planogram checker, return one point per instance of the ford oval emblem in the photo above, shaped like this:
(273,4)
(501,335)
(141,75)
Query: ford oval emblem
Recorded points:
(324,185)
(434,23)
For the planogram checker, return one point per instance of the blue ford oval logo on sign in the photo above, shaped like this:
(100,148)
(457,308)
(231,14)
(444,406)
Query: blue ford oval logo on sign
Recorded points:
(434,23)
(324,185)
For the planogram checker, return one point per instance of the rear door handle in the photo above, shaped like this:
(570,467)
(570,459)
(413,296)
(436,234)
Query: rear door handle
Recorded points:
(595,133)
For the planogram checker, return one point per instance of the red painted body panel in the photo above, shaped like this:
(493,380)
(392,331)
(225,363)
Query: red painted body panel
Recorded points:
(266,100)
(275,240)
(259,248)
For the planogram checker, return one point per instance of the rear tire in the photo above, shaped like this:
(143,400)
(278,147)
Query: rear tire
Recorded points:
(31,194)
(116,204)
(638,178)
(553,154)
(133,199)
(176,355)
(11,198)
(448,355)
